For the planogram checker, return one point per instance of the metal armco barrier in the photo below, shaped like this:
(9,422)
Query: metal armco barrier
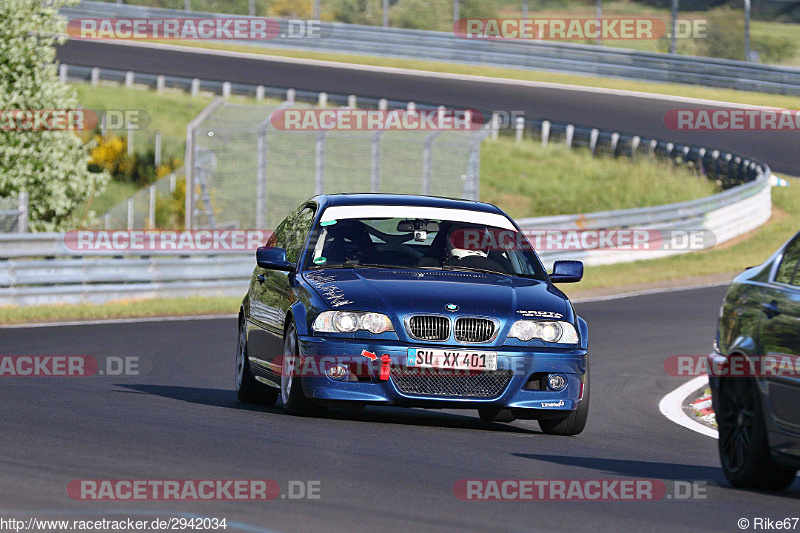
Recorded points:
(38,269)
(533,55)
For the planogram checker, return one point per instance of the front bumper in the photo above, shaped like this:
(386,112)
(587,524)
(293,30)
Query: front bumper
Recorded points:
(519,394)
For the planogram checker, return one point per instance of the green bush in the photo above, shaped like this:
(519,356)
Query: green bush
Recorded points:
(725,39)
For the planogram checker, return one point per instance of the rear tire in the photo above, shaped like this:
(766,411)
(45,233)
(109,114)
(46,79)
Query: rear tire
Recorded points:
(743,446)
(294,399)
(494,414)
(573,423)
(248,390)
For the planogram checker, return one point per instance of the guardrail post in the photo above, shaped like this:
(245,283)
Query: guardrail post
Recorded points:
(22,220)
(103,122)
(635,142)
(130,213)
(593,136)
(291,96)
(129,78)
(614,143)
(259,93)
(151,214)
(495,125)
(157,156)
(62,73)
(107,221)
(670,149)
(701,156)
(172,182)
(411,106)
(545,132)
(519,127)
(323,100)
(383,104)
(375,171)
(715,160)
(160,80)
(195,89)
(226,89)
(95,76)
(570,134)
(319,167)
(351,101)
(130,138)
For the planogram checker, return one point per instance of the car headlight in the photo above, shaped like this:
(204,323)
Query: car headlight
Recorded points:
(546,330)
(348,322)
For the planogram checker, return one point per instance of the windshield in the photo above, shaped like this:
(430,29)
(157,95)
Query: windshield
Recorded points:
(421,243)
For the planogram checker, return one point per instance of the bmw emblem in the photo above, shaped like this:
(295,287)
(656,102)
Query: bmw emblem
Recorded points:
(451,307)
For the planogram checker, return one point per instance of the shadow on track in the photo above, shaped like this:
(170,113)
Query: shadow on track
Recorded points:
(385,415)
(637,469)
(645,469)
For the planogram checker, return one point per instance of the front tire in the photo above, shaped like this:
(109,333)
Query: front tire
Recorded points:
(573,423)
(292,395)
(743,446)
(248,390)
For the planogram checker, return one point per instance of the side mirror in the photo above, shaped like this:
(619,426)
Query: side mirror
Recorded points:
(273,258)
(567,272)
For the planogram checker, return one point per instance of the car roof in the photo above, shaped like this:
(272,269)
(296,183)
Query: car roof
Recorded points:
(404,199)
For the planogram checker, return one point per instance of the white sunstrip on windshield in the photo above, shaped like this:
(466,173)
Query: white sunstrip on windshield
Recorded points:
(342,212)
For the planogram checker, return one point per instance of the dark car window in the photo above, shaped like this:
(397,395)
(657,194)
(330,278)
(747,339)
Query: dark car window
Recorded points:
(292,232)
(394,242)
(787,270)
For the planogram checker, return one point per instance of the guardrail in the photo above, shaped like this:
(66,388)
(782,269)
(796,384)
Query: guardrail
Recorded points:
(534,55)
(39,269)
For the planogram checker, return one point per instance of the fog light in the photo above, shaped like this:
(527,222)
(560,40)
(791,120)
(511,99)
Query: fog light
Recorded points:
(556,381)
(337,372)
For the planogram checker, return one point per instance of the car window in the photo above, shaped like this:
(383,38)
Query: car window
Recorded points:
(296,232)
(427,243)
(787,270)
(292,232)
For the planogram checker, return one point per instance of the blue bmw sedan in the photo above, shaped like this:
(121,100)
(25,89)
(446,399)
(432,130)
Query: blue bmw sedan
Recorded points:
(374,299)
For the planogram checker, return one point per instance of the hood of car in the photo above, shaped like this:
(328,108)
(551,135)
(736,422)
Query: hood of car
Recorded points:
(401,292)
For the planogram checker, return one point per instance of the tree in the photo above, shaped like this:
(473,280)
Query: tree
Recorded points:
(52,166)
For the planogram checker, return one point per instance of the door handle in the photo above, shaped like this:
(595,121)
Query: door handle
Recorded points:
(261,278)
(771,309)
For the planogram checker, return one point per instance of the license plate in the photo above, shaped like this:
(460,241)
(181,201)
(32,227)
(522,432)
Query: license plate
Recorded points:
(451,359)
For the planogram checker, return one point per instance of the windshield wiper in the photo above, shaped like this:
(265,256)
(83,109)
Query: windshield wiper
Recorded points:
(355,265)
(473,269)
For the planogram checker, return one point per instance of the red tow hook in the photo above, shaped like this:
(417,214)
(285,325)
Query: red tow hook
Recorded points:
(386,367)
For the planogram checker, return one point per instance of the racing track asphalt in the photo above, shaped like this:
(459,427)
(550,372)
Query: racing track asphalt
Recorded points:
(615,112)
(381,469)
